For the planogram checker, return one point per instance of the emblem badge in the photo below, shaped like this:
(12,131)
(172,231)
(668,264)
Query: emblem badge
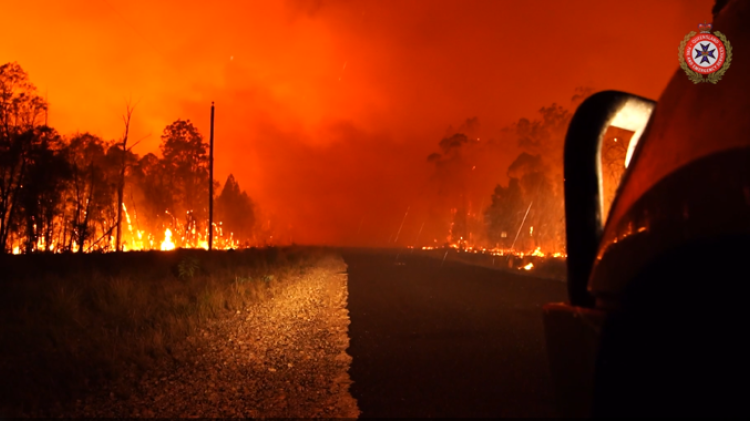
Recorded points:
(705,54)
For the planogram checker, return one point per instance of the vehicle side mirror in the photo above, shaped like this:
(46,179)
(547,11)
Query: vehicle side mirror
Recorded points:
(584,206)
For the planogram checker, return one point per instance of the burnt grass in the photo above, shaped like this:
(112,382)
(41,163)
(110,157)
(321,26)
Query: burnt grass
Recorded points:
(544,267)
(72,323)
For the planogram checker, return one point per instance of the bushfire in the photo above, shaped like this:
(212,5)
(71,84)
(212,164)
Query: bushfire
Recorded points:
(496,251)
(135,239)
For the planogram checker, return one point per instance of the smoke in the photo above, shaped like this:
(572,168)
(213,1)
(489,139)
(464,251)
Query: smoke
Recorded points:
(327,110)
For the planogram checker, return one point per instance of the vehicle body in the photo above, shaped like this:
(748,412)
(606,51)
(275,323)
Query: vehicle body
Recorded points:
(656,322)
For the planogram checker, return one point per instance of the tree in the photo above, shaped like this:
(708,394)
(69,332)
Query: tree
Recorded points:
(42,187)
(186,166)
(540,227)
(123,163)
(20,106)
(504,214)
(235,210)
(451,177)
(121,181)
(20,109)
(155,184)
(70,192)
(94,182)
(538,170)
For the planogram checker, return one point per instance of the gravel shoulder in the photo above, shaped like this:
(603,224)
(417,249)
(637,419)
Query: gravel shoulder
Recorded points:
(284,357)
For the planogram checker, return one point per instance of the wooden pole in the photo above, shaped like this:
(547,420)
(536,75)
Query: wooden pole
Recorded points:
(211,184)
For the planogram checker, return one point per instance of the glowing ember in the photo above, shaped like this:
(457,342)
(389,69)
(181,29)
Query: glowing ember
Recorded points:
(529,266)
(167,244)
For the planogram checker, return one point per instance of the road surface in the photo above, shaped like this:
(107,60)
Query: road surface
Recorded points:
(452,340)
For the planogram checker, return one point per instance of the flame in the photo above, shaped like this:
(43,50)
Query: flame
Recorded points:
(529,266)
(167,244)
(462,246)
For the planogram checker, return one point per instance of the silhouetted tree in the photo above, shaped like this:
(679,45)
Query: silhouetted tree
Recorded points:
(504,214)
(538,172)
(451,179)
(156,186)
(20,111)
(186,166)
(123,152)
(45,180)
(235,210)
(92,197)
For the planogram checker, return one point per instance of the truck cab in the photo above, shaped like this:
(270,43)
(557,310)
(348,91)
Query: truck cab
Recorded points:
(658,279)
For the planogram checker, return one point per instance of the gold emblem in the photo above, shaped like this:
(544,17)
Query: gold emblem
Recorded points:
(707,44)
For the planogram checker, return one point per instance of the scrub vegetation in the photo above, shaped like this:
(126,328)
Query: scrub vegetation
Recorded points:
(71,323)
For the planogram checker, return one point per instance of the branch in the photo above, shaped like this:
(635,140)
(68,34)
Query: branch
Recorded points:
(139,141)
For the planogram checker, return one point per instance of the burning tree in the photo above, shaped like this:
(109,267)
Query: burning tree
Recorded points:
(504,214)
(535,189)
(452,180)
(91,214)
(153,192)
(77,193)
(185,163)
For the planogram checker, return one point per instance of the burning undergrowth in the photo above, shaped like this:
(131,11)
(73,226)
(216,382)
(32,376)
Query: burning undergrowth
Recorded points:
(479,205)
(475,209)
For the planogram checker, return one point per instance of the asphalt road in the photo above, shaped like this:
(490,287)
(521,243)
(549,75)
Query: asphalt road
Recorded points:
(456,340)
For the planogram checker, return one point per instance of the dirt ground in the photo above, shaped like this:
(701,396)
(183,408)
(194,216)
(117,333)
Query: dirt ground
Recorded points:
(285,357)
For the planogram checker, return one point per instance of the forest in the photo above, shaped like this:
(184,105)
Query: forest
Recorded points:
(81,193)
(526,213)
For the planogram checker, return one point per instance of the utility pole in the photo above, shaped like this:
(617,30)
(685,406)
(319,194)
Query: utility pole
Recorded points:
(211,183)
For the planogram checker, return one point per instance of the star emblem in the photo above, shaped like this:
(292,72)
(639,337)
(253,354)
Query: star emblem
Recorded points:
(704,54)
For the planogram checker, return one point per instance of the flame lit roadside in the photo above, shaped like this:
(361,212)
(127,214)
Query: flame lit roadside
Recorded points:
(135,239)
(498,251)
(464,248)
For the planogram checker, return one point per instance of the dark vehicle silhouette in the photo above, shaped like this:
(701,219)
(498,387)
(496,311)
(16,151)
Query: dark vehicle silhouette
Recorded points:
(657,323)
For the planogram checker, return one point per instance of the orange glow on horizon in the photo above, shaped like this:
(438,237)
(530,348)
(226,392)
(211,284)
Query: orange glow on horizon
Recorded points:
(326,111)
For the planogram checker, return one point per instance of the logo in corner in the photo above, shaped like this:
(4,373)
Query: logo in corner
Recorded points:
(704,56)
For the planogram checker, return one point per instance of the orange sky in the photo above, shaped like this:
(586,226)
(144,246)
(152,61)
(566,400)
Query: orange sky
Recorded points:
(326,110)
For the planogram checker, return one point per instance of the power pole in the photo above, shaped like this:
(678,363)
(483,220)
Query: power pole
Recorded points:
(211,183)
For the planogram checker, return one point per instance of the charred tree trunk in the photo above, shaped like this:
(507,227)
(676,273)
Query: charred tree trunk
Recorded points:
(121,182)
(211,183)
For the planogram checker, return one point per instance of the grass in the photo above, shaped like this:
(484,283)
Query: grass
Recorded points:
(544,267)
(73,323)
